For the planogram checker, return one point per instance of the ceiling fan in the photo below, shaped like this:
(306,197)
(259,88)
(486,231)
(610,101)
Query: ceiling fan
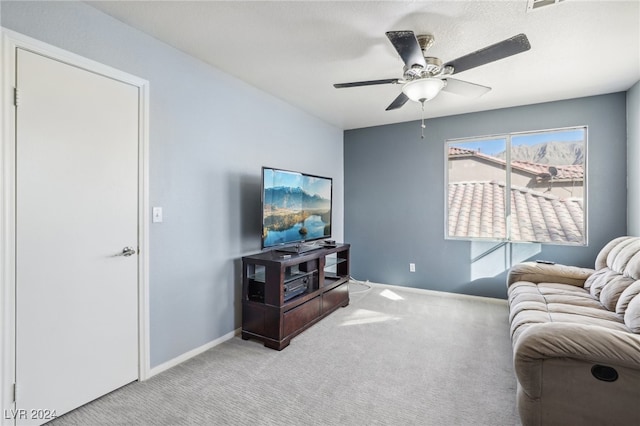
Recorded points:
(425,76)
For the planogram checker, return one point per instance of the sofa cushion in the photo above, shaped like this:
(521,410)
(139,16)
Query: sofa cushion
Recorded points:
(627,295)
(558,310)
(613,289)
(599,280)
(620,258)
(616,254)
(632,315)
(560,303)
(603,256)
(619,268)
(633,267)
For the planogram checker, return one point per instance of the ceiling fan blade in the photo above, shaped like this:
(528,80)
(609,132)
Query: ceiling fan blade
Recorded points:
(464,88)
(398,102)
(366,83)
(407,47)
(511,46)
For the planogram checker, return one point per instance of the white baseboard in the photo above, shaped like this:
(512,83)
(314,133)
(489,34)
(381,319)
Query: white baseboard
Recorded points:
(194,352)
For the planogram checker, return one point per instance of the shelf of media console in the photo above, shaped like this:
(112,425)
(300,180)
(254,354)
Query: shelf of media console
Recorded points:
(331,261)
(260,276)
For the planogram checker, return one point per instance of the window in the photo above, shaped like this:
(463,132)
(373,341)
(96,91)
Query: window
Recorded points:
(519,187)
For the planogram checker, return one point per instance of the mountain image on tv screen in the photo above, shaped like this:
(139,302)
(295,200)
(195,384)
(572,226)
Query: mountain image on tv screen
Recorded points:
(296,207)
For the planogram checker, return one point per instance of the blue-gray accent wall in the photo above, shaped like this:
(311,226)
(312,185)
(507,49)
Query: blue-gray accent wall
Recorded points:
(394,196)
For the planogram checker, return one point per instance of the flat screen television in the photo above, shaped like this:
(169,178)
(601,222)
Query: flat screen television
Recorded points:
(296,207)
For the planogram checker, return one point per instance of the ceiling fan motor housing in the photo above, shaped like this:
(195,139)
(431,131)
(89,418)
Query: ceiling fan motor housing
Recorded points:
(433,68)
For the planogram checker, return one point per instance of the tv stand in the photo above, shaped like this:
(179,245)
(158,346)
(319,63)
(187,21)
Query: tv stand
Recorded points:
(284,294)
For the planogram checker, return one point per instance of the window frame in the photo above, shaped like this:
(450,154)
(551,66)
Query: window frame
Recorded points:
(507,193)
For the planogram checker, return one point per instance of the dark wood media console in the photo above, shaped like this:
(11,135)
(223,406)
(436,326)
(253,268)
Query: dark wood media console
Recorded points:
(283,294)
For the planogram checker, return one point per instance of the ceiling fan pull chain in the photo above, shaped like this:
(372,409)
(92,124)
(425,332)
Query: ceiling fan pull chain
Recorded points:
(423,126)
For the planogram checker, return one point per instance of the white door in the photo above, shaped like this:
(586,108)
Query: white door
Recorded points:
(76,209)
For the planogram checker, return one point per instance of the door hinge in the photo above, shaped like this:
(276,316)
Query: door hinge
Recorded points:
(13,391)
(16,97)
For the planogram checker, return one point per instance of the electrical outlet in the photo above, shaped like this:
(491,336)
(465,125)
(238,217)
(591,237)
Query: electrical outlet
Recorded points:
(412,267)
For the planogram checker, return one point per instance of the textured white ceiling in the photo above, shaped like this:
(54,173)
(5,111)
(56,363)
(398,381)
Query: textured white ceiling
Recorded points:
(296,50)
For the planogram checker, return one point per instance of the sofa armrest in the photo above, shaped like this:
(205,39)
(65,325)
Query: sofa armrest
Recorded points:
(540,272)
(588,343)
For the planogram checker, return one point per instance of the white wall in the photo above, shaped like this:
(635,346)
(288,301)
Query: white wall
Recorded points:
(209,136)
(633,160)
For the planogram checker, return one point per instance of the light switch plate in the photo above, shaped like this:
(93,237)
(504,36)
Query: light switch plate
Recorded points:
(157,214)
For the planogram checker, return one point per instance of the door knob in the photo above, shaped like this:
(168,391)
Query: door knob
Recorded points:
(128,251)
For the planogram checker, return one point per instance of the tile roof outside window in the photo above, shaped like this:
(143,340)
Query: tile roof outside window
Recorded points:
(476,211)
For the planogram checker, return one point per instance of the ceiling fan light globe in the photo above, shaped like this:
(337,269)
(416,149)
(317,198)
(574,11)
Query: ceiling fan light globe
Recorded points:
(423,89)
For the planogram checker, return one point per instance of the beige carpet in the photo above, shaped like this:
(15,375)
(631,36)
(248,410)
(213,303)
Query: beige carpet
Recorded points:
(394,356)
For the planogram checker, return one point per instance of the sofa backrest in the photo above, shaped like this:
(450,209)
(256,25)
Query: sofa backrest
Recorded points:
(616,282)
(621,255)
